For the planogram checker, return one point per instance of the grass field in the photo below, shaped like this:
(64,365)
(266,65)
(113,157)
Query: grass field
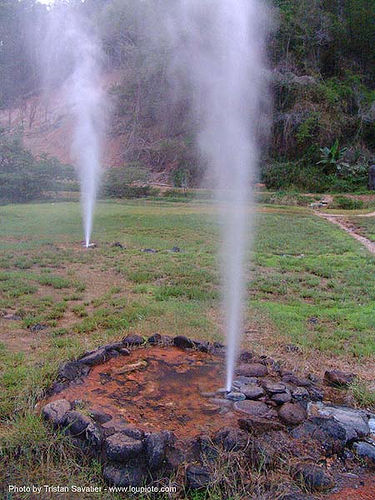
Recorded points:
(310,285)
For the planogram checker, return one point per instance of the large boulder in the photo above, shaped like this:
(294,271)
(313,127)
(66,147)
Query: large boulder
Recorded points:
(355,422)
(330,435)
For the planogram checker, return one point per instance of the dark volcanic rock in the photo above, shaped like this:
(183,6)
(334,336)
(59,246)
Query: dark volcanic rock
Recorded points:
(131,474)
(94,358)
(76,422)
(183,342)
(231,439)
(338,378)
(134,340)
(55,412)
(156,444)
(202,346)
(289,378)
(149,250)
(155,339)
(300,393)
(100,416)
(355,422)
(255,409)
(252,391)
(117,244)
(120,447)
(315,393)
(274,387)
(313,477)
(296,496)
(365,450)
(235,396)
(38,327)
(292,413)
(259,425)
(330,435)
(73,369)
(198,477)
(282,397)
(246,356)
(133,432)
(252,370)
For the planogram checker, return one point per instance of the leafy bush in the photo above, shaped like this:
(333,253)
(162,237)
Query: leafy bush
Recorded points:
(347,203)
(23,177)
(120,182)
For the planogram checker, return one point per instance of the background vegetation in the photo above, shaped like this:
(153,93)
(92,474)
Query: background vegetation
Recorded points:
(322,73)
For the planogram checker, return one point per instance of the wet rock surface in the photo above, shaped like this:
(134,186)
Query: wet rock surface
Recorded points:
(269,412)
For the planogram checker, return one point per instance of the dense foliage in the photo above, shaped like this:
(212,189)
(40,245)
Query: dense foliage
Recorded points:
(24,177)
(322,66)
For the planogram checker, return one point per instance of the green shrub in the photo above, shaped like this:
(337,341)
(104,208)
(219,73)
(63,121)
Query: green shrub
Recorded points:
(347,203)
(120,182)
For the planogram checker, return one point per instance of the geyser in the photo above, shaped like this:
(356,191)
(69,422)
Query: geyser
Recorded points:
(219,49)
(73,61)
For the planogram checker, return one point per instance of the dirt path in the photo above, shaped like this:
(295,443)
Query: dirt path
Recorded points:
(339,220)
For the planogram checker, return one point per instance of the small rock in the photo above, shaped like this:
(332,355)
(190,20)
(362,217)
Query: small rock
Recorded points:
(289,378)
(315,394)
(292,413)
(120,447)
(259,425)
(55,412)
(246,356)
(73,370)
(202,346)
(175,249)
(38,327)
(313,477)
(114,346)
(198,477)
(123,351)
(282,397)
(149,250)
(100,416)
(12,317)
(235,396)
(133,340)
(117,244)
(241,380)
(94,358)
(274,387)
(338,378)
(252,370)
(231,439)
(76,422)
(156,444)
(183,342)
(221,402)
(255,409)
(365,450)
(124,475)
(252,391)
(155,339)
(292,348)
(300,393)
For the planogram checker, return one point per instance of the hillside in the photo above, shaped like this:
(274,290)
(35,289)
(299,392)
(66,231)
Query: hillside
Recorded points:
(322,79)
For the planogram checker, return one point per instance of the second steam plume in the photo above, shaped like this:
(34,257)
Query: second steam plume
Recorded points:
(73,60)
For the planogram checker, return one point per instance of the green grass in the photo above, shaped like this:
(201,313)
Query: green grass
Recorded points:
(301,267)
